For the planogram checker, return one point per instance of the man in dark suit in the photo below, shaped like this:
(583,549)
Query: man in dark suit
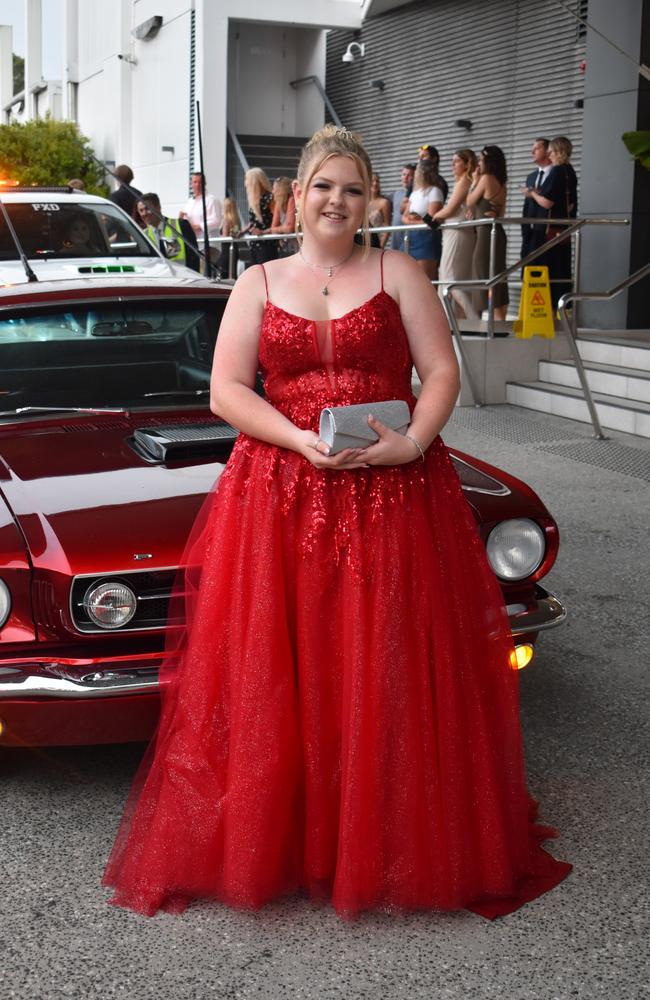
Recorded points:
(533,236)
(125,197)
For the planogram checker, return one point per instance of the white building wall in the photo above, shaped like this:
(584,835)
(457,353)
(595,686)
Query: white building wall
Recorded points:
(262,61)
(161,111)
(311,59)
(129,111)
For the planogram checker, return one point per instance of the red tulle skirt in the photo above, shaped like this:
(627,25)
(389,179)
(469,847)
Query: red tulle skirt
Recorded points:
(340,717)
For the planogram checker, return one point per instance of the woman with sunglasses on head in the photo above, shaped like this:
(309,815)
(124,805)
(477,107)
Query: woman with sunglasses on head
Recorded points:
(339,719)
(487,200)
(427,197)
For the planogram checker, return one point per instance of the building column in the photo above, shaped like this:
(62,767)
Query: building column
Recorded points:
(212,93)
(33,54)
(608,181)
(638,302)
(6,67)
(70,59)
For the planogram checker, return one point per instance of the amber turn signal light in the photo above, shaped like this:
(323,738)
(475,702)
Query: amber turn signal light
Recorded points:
(521,655)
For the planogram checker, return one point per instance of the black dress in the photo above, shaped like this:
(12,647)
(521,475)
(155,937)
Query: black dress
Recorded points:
(263,250)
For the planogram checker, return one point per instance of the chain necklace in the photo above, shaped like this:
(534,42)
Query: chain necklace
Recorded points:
(330,268)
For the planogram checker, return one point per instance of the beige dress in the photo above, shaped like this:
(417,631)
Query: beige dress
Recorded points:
(481,257)
(456,260)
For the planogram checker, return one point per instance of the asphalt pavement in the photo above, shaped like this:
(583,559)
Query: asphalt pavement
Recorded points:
(585,719)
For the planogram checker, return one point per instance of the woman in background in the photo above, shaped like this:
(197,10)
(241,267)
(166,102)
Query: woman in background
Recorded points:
(259,193)
(231,222)
(379,212)
(458,244)
(230,226)
(427,198)
(487,200)
(284,214)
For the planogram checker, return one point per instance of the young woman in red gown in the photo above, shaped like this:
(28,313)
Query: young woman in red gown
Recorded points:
(341,718)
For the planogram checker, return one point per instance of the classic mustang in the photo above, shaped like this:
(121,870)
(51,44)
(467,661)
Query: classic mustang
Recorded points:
(107,450)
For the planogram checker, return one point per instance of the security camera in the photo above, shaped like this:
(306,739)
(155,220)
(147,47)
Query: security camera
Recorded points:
(348,55)
(127,58)
(148,29)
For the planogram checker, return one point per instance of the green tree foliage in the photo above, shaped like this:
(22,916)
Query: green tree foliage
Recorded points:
(19,73)
(638,144)
(45,151)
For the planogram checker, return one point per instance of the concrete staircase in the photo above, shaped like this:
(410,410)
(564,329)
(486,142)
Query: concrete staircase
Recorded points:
(277,155)
(618,371)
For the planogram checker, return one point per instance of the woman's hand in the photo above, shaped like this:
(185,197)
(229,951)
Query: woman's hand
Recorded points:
(391,448)
(317,452)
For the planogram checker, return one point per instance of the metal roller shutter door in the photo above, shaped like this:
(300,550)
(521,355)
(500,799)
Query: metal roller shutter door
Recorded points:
(511,68)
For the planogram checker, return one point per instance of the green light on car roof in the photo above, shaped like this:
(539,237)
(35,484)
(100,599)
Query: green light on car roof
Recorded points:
(108,269)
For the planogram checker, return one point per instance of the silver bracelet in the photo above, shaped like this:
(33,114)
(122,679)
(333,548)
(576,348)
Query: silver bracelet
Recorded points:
(417,445)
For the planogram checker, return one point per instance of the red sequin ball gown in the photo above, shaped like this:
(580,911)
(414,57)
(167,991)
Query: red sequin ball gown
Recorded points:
(342,719)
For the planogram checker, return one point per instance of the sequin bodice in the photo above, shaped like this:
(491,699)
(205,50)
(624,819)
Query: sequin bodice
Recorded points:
(308,364)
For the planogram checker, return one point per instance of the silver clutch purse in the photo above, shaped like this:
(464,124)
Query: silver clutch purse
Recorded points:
(347,426)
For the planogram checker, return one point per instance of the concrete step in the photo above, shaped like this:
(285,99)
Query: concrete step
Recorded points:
(590,333)
(614,412)
(613,380)
(624,352)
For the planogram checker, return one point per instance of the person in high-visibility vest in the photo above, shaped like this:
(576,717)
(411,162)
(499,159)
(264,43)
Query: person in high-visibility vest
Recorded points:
(175,238)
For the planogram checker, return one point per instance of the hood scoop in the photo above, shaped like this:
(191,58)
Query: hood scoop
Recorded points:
(174,443)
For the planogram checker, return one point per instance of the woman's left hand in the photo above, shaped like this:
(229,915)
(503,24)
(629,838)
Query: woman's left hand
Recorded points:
(391,448)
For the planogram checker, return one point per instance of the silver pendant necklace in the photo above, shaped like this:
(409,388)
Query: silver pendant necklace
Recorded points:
(330,268)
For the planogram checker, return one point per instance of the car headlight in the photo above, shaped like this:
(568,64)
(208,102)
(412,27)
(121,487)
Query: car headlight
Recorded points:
(5,602)
(110,605)
(516,548)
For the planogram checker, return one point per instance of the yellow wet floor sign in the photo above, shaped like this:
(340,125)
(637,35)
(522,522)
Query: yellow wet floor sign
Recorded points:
(535,308)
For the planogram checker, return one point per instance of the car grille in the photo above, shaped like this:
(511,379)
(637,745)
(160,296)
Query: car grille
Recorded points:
(152,589)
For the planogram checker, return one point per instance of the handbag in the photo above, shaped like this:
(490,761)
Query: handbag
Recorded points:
(347,426)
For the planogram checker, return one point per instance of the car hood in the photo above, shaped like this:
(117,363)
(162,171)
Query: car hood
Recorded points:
(85,501)
(97,268)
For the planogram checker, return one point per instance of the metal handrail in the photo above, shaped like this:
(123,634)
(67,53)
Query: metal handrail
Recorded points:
(573,227)
(592,297)
(238,150)
(323,93)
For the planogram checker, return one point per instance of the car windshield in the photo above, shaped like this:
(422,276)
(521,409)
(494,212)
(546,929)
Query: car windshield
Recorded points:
(56,231)
(105,356)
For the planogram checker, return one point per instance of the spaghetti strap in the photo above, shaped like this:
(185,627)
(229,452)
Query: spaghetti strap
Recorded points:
(381,266)
(266,283)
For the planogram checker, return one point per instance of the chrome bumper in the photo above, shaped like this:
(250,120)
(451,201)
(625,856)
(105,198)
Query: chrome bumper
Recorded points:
(53,680)
(542,612)
(50,681)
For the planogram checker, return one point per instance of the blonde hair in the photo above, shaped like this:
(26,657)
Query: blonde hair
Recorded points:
(231,222)
(562,147)
(282,191)
(468,156)
(332,140)
(256,183)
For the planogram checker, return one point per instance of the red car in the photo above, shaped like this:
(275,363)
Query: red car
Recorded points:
(107,450)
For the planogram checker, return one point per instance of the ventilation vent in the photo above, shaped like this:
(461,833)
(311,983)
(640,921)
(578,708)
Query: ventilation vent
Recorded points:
(174,443)
(119,425)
